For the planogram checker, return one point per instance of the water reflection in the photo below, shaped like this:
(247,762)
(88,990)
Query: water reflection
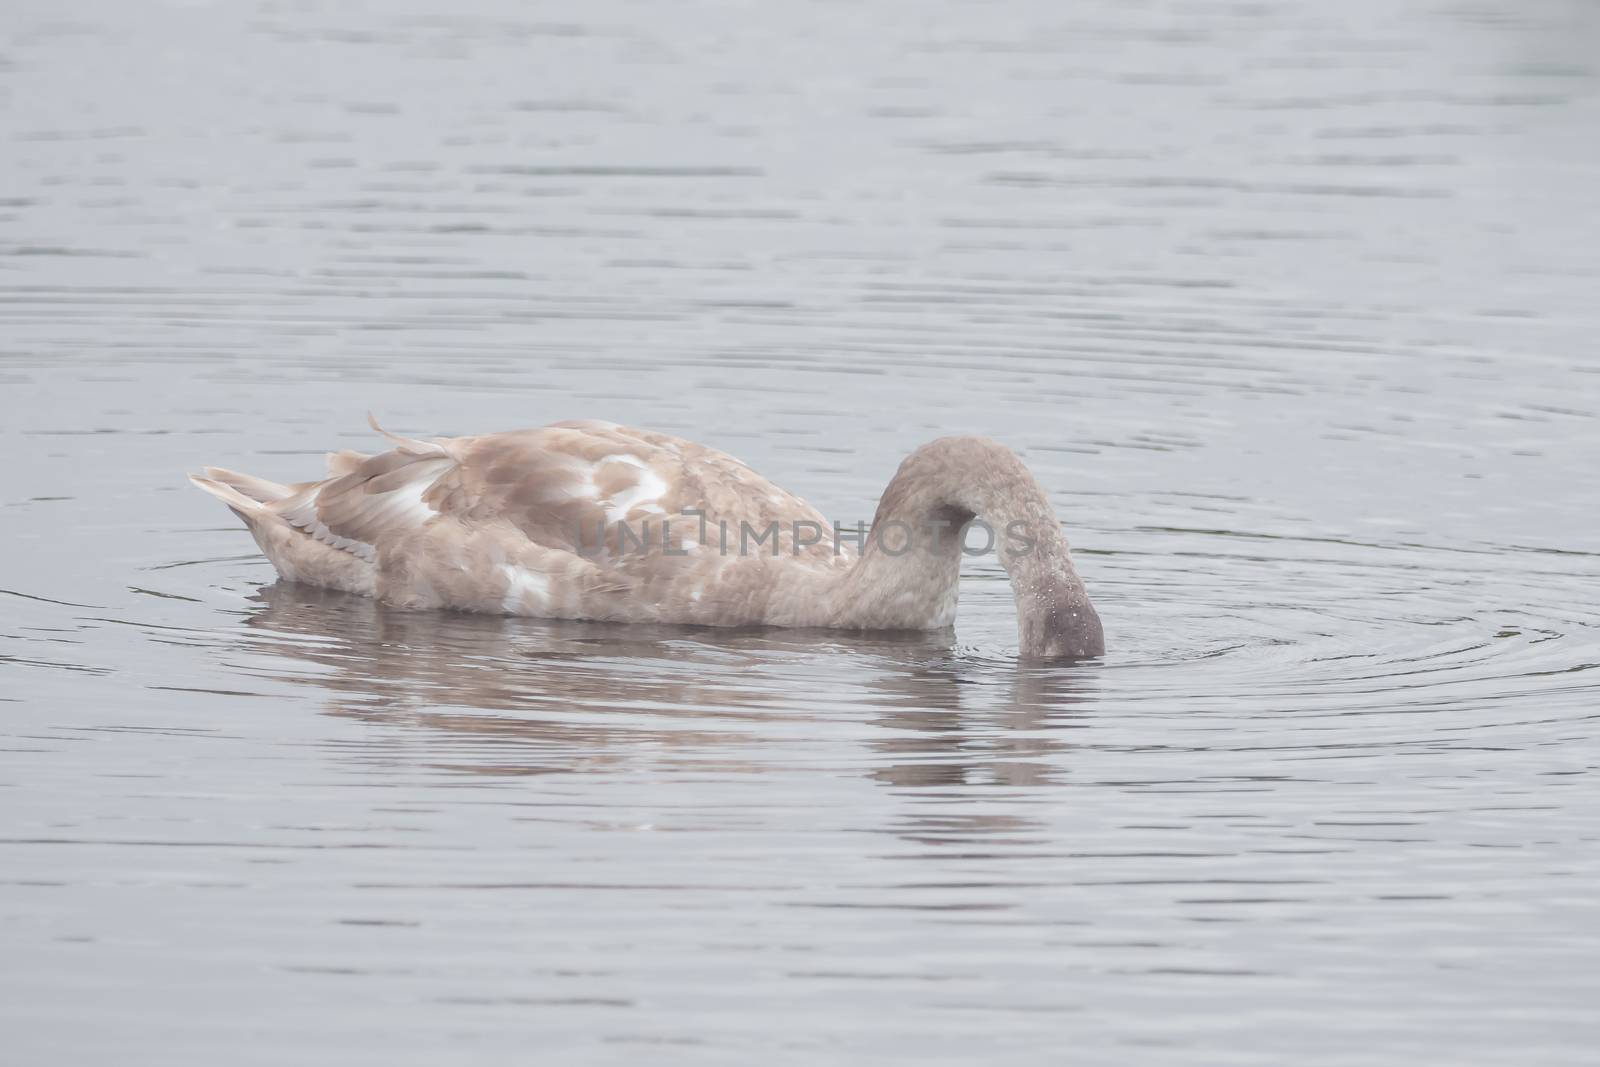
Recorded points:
(522,696)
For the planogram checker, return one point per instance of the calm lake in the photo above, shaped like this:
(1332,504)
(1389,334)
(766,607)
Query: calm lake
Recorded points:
(1291,306)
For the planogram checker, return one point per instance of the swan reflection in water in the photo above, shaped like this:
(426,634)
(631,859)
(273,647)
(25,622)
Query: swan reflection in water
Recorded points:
(509,696)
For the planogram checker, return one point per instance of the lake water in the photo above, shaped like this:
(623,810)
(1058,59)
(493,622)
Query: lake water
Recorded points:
(1291,306)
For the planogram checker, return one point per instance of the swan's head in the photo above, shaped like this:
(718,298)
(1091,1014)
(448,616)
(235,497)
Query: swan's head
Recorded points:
(1059,623)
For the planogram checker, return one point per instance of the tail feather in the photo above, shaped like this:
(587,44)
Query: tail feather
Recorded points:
(296,554)
(258,489)
(243,506)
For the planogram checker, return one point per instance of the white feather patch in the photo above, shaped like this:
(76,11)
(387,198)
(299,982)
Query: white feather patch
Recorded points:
(527,592)
(405,503)
(643,493)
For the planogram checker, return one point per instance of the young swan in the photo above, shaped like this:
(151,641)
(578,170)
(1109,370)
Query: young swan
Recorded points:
(591,520)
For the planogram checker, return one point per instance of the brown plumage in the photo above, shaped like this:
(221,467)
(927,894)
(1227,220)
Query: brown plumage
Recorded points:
(591,520)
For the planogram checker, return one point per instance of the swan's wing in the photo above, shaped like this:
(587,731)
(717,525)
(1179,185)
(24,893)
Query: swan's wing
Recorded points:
(559,484)
(370,499)
(557,487)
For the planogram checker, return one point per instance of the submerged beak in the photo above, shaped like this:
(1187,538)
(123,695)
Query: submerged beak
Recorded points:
(1067,629)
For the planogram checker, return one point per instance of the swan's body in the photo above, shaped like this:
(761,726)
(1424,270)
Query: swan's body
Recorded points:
(511,523)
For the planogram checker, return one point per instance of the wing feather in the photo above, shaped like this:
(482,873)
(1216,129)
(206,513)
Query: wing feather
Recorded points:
(558,487)
(380,497)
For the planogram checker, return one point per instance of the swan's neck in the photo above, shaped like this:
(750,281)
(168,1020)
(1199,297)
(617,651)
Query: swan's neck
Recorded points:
(937,490)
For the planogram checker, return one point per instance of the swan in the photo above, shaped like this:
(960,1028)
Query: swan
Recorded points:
(593,520)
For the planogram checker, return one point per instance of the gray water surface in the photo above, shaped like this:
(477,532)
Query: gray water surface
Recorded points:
(1291,306)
